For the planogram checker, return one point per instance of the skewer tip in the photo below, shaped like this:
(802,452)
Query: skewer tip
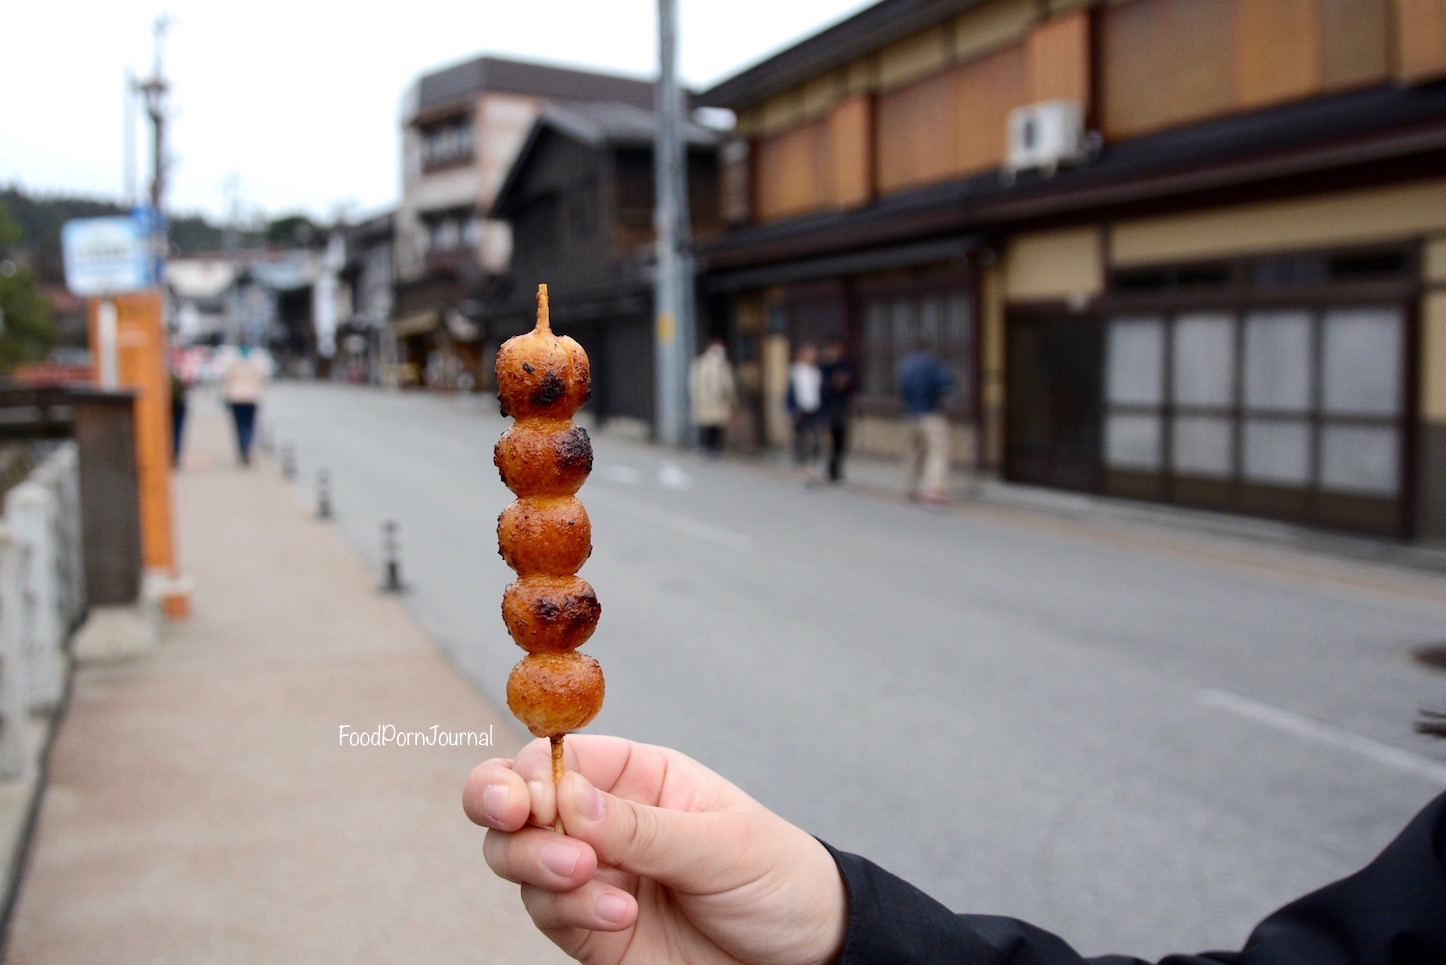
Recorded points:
(544,322)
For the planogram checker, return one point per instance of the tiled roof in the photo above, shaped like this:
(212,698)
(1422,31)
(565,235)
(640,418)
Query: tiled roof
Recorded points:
(516,77)
(610,122)
(596,125)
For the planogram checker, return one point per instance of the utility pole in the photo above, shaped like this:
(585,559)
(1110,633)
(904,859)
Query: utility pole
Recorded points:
(154,91)
(128,145)
(230,244)
(673,285)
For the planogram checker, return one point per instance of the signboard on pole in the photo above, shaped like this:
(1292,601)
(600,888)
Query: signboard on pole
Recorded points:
(105,256)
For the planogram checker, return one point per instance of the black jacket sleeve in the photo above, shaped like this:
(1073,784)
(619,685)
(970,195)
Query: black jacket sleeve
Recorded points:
(1392,912)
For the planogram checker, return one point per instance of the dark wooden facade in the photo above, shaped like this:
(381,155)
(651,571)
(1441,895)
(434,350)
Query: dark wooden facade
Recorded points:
(461,128)
(580,202)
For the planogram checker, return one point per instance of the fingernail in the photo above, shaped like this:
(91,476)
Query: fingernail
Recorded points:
(589,800)
(494,803)
(611,908)
(560,857)
(536,789)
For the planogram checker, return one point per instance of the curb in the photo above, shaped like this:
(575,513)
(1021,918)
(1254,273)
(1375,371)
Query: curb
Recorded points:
(17,830)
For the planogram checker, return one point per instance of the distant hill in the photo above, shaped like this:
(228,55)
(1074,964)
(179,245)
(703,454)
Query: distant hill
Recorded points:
(41,216)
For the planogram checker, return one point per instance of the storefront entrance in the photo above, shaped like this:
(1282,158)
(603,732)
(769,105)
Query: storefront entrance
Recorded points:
(1053,427)
(1271,386)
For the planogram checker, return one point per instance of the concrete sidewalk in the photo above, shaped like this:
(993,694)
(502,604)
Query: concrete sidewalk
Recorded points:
(200,805)
(985,493)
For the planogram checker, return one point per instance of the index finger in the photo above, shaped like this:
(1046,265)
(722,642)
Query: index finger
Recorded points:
(496,796)
(639,772)
(601,759)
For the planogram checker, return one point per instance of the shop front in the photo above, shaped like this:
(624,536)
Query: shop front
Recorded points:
(1277,384)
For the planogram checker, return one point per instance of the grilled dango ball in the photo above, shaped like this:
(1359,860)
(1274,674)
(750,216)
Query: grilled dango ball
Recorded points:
(547,535)
(553,693)
(543,457)
(542,374)
(550,614)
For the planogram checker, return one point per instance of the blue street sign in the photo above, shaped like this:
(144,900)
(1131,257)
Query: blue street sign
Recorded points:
(105,256)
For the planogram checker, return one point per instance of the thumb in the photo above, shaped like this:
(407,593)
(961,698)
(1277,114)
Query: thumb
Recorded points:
(687,851)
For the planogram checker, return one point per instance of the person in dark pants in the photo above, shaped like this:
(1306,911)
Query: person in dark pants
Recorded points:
(805,404)
(178,414)
(840,382)
(242,382)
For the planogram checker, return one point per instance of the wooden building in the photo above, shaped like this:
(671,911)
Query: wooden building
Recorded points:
(462,126)
(1184,250)
(579,199)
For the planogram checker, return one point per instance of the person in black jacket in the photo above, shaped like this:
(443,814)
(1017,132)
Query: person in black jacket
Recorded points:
(840,382)
(665,861)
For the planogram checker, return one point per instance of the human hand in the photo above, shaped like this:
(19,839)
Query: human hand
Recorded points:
(663,860)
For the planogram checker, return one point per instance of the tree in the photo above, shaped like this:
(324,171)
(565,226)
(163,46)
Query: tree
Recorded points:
(26,331)
(293,230)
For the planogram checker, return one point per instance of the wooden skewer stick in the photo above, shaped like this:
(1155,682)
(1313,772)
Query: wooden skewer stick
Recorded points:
(557,769)
(544,324)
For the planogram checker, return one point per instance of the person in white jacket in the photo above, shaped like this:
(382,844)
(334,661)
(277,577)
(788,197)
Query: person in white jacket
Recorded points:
(712,393)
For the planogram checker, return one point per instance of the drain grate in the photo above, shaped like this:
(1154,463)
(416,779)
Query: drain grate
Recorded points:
(1432,655)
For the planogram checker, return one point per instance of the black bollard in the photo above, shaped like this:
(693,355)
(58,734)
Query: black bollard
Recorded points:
(288,462)
(323,494)
(391,558)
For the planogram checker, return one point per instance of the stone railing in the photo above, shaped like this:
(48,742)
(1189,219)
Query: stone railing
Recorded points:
(42,598)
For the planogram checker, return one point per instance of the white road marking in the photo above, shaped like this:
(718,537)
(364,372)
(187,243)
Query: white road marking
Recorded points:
(622,474)
(1323,734)
(686,525)
(674,477)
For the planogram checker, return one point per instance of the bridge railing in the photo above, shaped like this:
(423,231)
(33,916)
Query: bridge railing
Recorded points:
(42,599)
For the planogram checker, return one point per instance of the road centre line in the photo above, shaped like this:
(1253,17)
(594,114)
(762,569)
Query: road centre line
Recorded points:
(1323,734)
(686,525)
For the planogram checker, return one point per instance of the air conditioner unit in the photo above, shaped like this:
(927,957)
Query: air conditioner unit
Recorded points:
(1047,134)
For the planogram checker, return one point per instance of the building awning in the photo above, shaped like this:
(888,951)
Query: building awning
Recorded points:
(881,259)
(461,328)
(416,324)
(1350,138)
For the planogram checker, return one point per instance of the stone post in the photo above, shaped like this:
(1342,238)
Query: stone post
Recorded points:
(30,512)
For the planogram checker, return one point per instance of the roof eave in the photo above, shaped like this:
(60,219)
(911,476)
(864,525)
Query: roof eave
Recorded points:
(865,31)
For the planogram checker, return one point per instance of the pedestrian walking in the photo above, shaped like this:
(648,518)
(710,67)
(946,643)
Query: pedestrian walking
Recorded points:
(805,405)
(923,383)
(712,392)
(840,382)
(180,383)
(243,380)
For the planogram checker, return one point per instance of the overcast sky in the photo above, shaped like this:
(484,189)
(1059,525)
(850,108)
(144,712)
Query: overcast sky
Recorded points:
(298,100)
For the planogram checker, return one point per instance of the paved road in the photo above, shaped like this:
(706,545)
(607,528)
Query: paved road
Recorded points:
(1140,739)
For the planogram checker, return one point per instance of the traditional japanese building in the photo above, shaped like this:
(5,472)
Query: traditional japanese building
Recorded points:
(461,129)
(579,200)
(1182,250)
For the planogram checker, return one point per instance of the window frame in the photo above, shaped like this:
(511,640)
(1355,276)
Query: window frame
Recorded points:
(1239,292)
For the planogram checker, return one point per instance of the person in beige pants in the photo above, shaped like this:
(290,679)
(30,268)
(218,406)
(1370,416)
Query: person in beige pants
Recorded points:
(928,468)
(923,383)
